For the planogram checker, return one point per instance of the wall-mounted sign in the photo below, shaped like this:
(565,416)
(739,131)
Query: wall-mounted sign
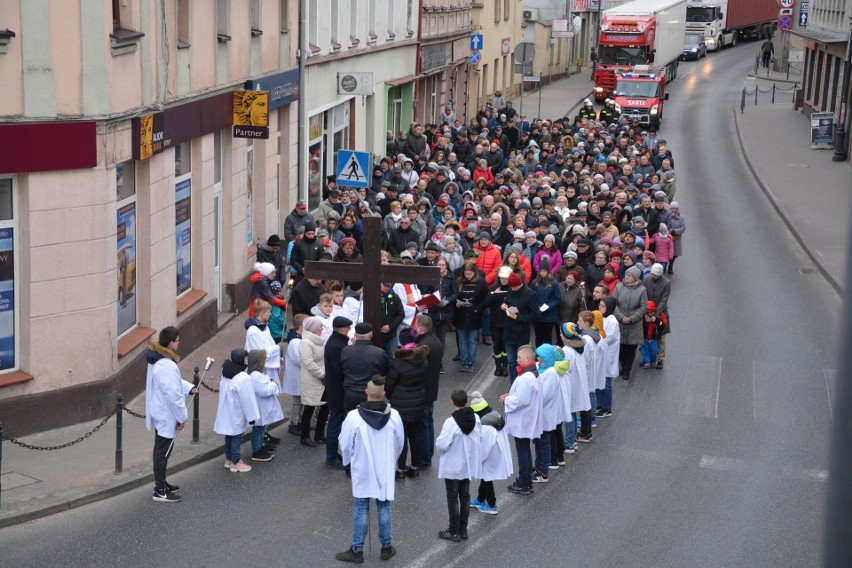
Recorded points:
(251,114)
(355,83)
(283,88)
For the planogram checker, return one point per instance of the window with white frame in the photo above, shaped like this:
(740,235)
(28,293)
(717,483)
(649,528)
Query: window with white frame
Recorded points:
(335,22)
(353,20)
(390,19)
(125,195)
(371,18)
(313,23)
(9,309)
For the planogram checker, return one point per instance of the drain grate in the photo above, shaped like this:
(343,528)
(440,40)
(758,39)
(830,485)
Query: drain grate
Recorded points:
(808,270)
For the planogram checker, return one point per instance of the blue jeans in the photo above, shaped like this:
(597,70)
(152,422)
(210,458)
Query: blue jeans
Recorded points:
(649,351)
(359,526)
(390,345)
(468,342)
(232,448)
(571,431)
(512,356)
(593,396)
(335,424)
(427,435)
(605,395)
(257,433)
(542,452)
(522,445)
(486,322)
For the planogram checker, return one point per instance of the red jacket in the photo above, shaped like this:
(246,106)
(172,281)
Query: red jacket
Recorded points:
(483,173)
(488,260)
(260,288)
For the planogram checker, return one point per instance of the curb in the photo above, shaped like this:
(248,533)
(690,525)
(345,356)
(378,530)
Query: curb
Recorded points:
(775,79)
(123,487)
(774,202)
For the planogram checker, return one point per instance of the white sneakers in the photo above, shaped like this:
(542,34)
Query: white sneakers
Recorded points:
(240,467)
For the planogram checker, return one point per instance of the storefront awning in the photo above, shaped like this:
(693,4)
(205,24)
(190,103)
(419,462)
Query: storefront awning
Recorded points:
(400,80)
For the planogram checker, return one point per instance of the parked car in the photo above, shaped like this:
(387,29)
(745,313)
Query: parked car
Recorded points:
(694,47)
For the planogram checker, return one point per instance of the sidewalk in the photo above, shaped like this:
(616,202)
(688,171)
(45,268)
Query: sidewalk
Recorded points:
(809,190)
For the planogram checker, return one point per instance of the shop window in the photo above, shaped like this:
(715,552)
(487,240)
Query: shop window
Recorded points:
(183,217)
(250,193)
(125,189)
(183,159)
(285,17)
(316,167)
(9,309)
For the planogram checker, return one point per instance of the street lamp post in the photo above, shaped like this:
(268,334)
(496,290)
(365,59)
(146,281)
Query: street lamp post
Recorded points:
(840,138)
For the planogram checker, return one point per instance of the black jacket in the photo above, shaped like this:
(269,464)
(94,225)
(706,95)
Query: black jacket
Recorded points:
(303,251)
(392,313)
(496,298)
(434,360)
(517,331)
(334,370)
(304,297)
(272,255)
(397,239)
(406,382)
(360,362)
(448,294)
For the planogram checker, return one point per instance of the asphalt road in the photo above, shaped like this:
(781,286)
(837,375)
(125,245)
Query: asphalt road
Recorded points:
(719,460)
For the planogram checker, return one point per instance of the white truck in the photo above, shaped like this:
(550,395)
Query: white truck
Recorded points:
(725,22)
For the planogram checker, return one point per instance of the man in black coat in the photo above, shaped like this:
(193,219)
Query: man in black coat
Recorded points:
(401,236)
(334,387)
(521,306)
(305,296)
(307,248)
(360,361)
(433,374)
(269,251)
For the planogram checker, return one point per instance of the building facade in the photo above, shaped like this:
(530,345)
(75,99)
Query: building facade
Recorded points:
(443,72)
(499,22)
(127,204)
(375,39)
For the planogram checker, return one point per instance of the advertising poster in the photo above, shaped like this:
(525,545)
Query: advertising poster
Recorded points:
(183,235)
(126,261)
(7,299)
(249,197)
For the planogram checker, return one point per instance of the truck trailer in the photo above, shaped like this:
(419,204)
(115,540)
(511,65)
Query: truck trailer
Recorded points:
(642,32)
(725,22)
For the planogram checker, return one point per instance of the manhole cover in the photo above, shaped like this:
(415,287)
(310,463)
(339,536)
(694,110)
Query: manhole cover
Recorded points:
(808,270)
(14,480)
(798,165)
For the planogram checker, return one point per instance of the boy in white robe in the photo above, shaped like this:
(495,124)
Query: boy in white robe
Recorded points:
(524,420)
(495,452)
(237,408)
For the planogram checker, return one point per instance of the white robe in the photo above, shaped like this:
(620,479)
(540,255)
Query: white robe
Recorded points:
(496,454)
(612,341)
(355,310)
(551,395)
(565,389)
(256,339)
(524,408)
(266,391)
(460,453)
(165,398)
(580,400)
(600,365)
(372,455)
(237,405)
(292,367)
(326,321)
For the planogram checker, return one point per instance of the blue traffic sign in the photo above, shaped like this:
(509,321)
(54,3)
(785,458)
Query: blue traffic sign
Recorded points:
(353,168)
(475,57)
(804,9)
(785,23)
(476,42)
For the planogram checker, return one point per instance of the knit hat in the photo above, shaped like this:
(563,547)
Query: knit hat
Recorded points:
(549,237)
(256,360)
(514,280)
(518,234)
(570,330)
(657,269)
(347,241)
(635,273)
(544,263)
(570,254)
(485,235)
(664,229)
(674,205)
(264,268)
(273,240)
(652,307)
(477,401)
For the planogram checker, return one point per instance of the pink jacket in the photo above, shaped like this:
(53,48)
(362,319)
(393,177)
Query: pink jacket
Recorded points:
(664,247)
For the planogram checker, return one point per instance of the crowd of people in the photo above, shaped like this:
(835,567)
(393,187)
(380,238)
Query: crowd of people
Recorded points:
(554,239)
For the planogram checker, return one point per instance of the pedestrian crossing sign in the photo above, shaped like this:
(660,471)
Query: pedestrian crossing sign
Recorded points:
(353,168)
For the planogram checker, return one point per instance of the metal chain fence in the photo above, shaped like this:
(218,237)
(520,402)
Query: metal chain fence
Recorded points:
(774,90)
(61,446)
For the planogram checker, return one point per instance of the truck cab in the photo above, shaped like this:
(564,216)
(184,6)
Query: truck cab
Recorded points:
(641,94)
(624,41)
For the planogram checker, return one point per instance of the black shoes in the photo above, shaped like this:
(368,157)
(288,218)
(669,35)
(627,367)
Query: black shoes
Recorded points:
(269,439)
(165,496)
(262,456)
(518,490)
(388,553)
(336,464)
(308,442)
(350,555)
(449,535)
(172,488)
(320,439)
(413,473)
(295,429)
(400,474)
(463,534)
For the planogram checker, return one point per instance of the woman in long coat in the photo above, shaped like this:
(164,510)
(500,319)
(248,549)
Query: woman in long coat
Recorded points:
(631,301)
(677,226)
(311,380)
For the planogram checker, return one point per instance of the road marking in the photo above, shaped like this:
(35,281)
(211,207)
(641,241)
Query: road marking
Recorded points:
(700,387)
(830,388)
(324,531)
(741,466)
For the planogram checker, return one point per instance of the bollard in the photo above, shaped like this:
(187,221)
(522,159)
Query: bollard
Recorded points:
(756,89)
(788,70)
(119,457)
(742,101)
(756,62)
(773,93)
(196,420)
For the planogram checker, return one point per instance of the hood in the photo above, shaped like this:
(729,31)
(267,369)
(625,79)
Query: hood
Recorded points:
(593,333)
(256,277)
(157,352)
(419,352)
(465,418)
(490,417)
(562,366)
(264,246)
(230,368)
(375,413)
(549,354)
(254,322)
(291,335)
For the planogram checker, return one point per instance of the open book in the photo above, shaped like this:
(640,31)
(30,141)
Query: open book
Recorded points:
(428,301)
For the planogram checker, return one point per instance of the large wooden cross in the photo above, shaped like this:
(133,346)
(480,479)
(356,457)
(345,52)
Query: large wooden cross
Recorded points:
(372,273)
